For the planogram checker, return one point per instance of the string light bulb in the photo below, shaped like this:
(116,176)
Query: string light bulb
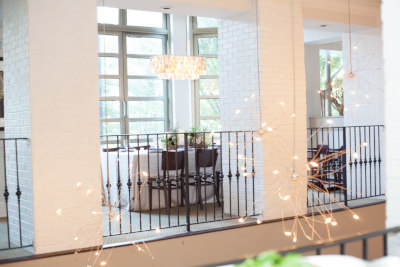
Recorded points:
(59,212)
(259,221)
(241,220)
(103,263)
(356,217)
(287,233)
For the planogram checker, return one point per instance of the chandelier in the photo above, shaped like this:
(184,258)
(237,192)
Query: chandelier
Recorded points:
(178,67)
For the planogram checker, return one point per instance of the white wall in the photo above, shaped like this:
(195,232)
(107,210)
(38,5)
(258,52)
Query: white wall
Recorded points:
(50,62)
(391,57)
(182,90)
(238,59)
(17,118)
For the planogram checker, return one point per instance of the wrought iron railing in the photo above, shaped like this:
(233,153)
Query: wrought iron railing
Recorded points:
(158,181)
(342,244)
(346,164)
(15,223)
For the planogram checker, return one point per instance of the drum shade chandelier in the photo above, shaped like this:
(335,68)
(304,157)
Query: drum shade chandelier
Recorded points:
(178,67)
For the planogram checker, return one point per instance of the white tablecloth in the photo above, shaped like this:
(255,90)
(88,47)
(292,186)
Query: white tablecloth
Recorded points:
(145,170)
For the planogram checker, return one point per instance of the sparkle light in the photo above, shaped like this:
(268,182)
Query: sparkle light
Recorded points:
(281,103)
(76,238)
(59,212)
(287,233)
(157,230)
(78,184)
(241,220)
(329,121)
(328,220)
(276,172)
(237,111)
(269,129)
(259,221)
(295,157)
(365,144)
(356,217)
(263,124)
(293,115)
(294,239)
(334,223)
(355,155)
(103,263)
(178,67)
(314,164)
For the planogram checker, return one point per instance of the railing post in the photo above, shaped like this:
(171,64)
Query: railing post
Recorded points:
(345,166)
(187,184)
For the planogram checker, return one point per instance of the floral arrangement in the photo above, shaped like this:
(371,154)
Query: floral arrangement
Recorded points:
(199,137)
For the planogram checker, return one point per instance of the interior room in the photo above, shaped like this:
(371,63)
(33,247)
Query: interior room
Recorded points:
(251,131)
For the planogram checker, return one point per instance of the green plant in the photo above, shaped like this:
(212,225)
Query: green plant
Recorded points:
(274,259)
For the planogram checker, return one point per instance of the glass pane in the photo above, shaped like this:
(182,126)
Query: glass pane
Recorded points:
(208,87)
(107,44)
(110,128)
(207,45)
(142,127)
(207,22)
(144,19)
(109,109)
(209,107)
(143,87)
(211,66)
(139,66)
(109,87)
(108,65)
(108,15)
(146,109)
(144,46)
(211,125)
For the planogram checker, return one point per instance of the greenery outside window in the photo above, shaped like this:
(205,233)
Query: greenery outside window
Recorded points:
(132,99)
(205,43)
(331,82)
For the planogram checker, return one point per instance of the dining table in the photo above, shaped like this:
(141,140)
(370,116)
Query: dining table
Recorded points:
(137,166)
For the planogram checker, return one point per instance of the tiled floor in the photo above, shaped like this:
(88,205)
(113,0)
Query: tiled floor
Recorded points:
(10,253)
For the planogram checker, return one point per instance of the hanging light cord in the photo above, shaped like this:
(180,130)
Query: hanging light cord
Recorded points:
(350,46)
(258,64)
(105,72)
(294,91)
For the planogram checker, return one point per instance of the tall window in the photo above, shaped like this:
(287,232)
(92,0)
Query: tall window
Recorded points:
(205,43)
(132,99)
(331,82)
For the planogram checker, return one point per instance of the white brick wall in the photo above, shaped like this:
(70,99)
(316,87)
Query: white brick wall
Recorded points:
(364,103)
(238,80)
(17,117)
(391,57)
(52,96)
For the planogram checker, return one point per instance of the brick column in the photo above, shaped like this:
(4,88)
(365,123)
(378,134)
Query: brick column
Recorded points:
(240,67)
(51,88)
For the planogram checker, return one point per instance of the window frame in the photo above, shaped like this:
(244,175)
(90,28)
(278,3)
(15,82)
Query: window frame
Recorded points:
(123,31)
(197,33)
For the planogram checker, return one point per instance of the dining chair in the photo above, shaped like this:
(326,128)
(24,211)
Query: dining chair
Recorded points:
(204,160)
(172,166)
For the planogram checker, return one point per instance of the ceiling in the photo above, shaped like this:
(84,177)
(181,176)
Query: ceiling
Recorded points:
(329,32)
